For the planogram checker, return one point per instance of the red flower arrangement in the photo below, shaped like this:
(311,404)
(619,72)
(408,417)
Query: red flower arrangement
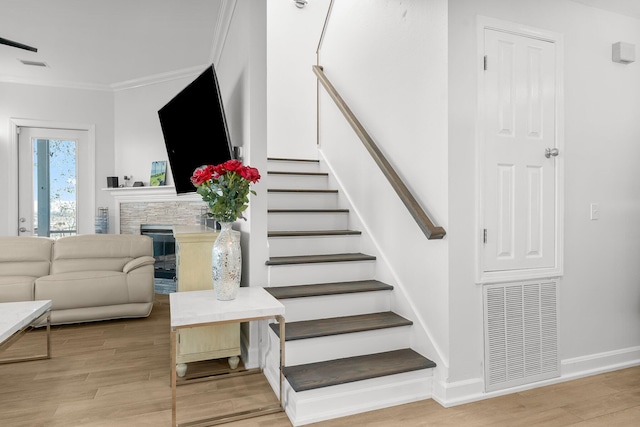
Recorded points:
(225,188)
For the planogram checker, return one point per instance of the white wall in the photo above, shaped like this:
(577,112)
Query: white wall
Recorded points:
(292,39)
(59,105)
(138,135)
(599,293)
(242,75)
(388,60)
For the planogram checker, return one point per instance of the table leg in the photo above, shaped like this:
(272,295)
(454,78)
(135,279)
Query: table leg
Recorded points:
(48,335)
(173,377)
(272,409)
(282,345)
(17,335)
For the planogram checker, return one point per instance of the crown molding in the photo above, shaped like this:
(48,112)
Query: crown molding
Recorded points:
(222,29)
(53,83)
(128,84)
(159,78)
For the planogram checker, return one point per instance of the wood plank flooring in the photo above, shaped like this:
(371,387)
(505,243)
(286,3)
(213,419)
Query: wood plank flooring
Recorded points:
(116,374)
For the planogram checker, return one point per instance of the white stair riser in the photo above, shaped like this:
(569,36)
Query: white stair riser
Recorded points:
(322,245)
(330,272)
(311,350)
(298,182)
(286,221)
(326,403)
(281,200)
(283,166)
(322,307)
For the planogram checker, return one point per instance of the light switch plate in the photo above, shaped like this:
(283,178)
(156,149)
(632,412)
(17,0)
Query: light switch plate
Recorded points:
(624,53)
(595,211)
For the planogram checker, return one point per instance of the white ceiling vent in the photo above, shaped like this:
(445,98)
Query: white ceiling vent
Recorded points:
(520,334)
(33,63)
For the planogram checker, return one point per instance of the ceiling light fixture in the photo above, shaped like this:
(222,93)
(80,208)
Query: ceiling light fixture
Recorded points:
(300,3)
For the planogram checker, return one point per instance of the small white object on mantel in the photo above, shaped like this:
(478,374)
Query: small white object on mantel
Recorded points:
(624,53)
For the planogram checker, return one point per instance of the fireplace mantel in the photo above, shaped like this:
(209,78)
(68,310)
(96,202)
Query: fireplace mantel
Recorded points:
(161,193)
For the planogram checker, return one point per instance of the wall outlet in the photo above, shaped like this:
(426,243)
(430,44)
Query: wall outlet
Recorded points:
(595,212)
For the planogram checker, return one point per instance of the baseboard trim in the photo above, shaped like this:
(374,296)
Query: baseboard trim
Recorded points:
(472,390)
(600,363)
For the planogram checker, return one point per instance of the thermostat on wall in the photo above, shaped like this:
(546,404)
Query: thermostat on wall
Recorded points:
(624,53)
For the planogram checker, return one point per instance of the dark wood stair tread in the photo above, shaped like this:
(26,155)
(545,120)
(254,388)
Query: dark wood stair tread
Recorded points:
(286,159)
(297,173)
(322,289)
(313,233)
(312,259)
(307,210)
(341,325)
(300,190)
(341,371)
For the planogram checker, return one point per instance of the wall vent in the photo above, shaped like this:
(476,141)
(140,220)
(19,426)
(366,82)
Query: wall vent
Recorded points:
(33,63)
(520,334)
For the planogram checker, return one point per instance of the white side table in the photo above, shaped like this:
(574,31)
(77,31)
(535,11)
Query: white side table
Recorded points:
(201,308)
(18,317)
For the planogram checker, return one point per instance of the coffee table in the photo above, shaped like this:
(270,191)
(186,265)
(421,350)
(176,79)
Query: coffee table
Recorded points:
(18,317)
(201,308)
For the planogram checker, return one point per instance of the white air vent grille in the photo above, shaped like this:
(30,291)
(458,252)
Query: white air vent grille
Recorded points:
(521,334)
(34,63)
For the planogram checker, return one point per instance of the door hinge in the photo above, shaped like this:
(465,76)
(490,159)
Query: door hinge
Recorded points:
(484,236)
(485,63)
(18,130)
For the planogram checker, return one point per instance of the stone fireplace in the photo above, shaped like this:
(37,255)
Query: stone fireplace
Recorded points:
(154,211)
(135,214)
(154,205)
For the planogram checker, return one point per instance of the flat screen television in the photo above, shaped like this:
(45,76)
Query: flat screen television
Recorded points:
(195,129)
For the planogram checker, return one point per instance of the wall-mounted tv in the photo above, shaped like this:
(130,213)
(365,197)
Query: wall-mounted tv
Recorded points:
(195,129)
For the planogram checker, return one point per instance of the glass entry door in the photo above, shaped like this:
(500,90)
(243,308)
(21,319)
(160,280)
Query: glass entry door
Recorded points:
(48,181)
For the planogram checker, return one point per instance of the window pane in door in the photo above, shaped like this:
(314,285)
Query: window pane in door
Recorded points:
(55,191)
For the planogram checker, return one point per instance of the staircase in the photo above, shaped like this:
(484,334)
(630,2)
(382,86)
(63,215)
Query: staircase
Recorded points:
(346,351)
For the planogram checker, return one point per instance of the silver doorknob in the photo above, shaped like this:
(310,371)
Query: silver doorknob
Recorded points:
(551,152)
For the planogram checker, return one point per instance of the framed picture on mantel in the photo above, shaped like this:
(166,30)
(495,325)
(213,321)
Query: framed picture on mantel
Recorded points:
(158,173)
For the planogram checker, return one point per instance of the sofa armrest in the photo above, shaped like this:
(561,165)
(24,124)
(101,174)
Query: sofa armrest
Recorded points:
(138,262)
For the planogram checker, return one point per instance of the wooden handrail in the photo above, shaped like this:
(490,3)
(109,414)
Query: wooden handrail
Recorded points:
(419,215)
(324,31)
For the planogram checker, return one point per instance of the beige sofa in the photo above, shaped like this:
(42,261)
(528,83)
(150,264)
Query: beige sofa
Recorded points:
(88,277)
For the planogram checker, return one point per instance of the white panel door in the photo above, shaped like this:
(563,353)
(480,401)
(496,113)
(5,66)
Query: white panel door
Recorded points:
(519,182)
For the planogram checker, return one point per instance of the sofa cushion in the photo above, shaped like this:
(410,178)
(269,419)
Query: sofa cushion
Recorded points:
(83,289)
(25,256)
(101,252)
(16,288)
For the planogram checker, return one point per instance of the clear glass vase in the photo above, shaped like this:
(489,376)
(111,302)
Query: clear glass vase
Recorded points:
(226,263)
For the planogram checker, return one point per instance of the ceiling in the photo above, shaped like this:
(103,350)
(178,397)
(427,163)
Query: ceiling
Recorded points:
(623,7)
(104,44)
(110,44)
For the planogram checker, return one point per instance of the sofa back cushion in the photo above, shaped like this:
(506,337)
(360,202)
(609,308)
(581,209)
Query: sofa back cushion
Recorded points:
(98,252)
(25,256)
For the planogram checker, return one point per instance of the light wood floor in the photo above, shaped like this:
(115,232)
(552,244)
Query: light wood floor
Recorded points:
(117,374)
